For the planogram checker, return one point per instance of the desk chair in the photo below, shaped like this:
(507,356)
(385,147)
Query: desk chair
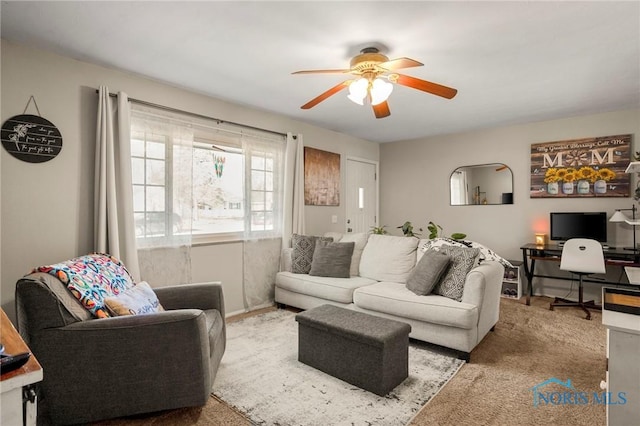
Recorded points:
(582,257)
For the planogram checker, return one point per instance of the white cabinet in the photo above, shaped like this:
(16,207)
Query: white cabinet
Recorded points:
(621,316)
(512,281)
(14,409)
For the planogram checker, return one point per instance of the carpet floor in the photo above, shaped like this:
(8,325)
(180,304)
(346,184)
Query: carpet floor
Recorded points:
(529,345)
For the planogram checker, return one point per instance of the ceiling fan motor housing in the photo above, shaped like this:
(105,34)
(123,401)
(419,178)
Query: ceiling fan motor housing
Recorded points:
(367,60)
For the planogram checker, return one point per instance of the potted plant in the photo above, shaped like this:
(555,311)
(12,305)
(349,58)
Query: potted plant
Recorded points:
(436,230)
(407,230)
(378,230)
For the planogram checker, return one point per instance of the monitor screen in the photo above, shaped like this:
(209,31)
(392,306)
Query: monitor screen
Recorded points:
(592,225)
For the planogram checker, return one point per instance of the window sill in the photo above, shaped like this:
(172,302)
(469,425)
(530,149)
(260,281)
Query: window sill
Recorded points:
(213,239)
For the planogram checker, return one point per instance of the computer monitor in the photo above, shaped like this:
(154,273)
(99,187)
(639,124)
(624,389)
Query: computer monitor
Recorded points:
(567,225)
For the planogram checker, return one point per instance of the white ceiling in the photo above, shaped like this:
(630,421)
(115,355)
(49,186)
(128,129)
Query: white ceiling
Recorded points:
(512,62)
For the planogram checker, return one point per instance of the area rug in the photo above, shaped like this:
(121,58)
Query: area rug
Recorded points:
(260,376)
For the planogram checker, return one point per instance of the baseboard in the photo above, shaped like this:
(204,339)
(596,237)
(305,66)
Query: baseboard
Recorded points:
(254,308)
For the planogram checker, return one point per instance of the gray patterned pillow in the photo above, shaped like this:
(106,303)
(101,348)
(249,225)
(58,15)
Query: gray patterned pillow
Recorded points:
(302,253)
(463,260)
(332,259)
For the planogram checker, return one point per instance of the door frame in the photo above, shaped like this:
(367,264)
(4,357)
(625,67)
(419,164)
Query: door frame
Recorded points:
(376,163)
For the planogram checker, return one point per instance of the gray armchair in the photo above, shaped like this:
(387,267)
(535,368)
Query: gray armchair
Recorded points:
(112,367)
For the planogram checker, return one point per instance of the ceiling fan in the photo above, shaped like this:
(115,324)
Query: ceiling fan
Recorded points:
(371,69)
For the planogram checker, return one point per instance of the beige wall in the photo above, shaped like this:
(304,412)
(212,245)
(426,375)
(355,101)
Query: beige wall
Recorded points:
(414,178)
(47,209)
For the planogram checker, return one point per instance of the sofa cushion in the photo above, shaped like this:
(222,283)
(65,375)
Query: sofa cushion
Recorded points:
(137,300)
(388,258)
(395,299)
(332,259)
(360,240)
(328,288)
(463,259)
(428,272)
(302,255)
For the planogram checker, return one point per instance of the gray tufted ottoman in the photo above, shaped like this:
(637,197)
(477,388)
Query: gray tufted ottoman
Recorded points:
(367,351)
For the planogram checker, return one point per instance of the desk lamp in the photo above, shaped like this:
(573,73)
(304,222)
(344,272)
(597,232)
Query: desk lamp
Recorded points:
(619,217)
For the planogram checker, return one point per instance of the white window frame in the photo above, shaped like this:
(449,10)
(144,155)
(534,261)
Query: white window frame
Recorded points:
(209,138)
(217,237)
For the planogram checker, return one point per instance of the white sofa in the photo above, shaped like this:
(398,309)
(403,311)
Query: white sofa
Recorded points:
(380,267)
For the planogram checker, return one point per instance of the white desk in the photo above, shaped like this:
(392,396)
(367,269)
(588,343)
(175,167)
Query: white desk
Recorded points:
(633,274)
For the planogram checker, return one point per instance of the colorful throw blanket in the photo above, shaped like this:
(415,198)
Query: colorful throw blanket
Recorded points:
(91,278)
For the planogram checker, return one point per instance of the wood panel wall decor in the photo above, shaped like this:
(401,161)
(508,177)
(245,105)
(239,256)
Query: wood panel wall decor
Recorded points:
(321,177)
(579,168)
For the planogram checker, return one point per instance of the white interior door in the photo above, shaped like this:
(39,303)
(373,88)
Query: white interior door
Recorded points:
(361,195)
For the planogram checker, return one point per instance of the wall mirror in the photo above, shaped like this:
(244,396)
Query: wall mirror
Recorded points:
(481,184)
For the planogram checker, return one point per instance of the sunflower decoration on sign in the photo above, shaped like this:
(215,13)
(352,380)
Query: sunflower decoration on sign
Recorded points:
(551,175)
(604,174)
(584,176)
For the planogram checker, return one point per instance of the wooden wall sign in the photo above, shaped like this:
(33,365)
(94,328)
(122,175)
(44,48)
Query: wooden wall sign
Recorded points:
(579,168)
(31,138)
(321,177)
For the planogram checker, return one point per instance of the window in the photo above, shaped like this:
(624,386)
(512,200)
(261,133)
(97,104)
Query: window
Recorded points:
(262,191)
(203,181)
(458,188)
(217,185)
(149,166)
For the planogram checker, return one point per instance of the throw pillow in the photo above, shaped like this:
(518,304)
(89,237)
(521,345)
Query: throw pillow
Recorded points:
(361,240)
(436,243)
(332,259)
(302,254)
(388,258)
(463,259)
(428,272)
(138,300)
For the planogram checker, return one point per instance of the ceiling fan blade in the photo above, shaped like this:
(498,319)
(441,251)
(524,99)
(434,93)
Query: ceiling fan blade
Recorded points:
(322,72)
(426,86)
(381,110)
(335,89)
(396,64)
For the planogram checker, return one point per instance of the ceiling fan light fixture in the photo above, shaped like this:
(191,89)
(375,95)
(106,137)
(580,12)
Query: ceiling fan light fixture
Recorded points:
(380,91)
(358,91)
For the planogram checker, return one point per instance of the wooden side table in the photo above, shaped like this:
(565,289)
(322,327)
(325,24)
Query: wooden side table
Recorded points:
(13,412)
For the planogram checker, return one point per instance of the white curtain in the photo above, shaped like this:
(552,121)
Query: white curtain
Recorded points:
(459,193)
(294,189)
(264,192)
(165,250)
(114,227)
(298,226)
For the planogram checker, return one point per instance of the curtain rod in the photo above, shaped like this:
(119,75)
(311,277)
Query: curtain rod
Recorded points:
(193,114)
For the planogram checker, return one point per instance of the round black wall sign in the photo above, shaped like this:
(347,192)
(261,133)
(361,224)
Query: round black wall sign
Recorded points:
(31,138)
